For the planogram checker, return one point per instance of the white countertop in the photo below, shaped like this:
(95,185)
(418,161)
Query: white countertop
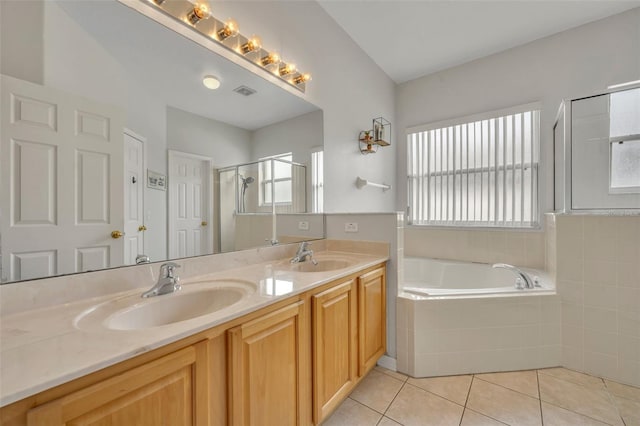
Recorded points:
(43,348)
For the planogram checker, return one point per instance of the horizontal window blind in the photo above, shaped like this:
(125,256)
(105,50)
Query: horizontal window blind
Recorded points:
(478,173)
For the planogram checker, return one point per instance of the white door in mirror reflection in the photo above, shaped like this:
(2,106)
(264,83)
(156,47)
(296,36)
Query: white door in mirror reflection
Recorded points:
(62,180)
(133,197)
(190,205)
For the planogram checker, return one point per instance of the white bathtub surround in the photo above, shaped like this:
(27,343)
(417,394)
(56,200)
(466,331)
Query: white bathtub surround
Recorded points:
(380,227)
(598,276)
(42,346)
(475,322)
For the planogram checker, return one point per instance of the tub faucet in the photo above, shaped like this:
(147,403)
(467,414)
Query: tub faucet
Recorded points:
(303,253)
(520,273)
(168,282)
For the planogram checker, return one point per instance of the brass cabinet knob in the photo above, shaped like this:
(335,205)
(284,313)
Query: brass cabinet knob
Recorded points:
(117,234)
(204,223)
(142,228)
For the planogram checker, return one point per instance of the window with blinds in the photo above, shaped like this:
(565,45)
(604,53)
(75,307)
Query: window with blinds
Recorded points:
(478,171)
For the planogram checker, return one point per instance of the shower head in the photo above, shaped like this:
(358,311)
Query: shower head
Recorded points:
(249,180)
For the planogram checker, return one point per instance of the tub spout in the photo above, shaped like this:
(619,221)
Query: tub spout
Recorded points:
(528,283)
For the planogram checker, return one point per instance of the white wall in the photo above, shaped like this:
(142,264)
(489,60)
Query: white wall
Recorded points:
(347,85)
(225,144)
(577,62)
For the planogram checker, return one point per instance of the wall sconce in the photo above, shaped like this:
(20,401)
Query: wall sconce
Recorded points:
(379,135)
(230,29)
(199,12)
(253,44)
(192,12)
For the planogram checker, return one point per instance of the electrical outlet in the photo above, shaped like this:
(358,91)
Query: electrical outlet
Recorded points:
(351,227)
(303,225)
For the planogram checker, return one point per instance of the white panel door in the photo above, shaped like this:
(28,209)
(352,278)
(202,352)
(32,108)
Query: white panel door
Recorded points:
(133,197)
(61,174)
(189,205)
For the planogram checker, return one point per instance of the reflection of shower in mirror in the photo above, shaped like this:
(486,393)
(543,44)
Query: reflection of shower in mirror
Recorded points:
(245,184)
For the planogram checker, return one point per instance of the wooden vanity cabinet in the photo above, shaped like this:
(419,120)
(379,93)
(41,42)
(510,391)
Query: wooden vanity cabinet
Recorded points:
(335,346)
(267,364)
(171,390)
(372,319)
(291,363)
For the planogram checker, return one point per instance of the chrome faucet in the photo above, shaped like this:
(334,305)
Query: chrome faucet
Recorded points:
(142,258)
(168,282)
(528,283)
(303,253)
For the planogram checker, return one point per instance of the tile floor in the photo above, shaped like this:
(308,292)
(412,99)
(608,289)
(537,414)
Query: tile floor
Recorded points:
(552,396)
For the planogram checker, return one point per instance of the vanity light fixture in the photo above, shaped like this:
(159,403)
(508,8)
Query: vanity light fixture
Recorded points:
(199,12)
(379,135)
(211,82)
(286,69)
(302,78)
(253,44)
(269,59)
(192,13)
(230,29)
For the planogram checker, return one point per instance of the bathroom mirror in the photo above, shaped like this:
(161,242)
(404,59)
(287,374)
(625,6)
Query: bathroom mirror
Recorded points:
(112,146)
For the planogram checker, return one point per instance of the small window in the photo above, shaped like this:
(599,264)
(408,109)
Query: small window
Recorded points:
(281,168)
(476,171)
(625,166)
(317,181)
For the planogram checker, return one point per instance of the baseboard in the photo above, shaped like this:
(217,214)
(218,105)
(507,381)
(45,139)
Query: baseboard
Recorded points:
(387,362)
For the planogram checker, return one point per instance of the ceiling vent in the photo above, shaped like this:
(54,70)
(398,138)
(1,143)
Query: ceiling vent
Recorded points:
(244,90)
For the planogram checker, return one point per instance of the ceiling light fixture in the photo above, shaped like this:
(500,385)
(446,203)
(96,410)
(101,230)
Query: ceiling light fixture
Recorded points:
(253,44)
(211,82)
(193,12)
(200,11)
(230,29)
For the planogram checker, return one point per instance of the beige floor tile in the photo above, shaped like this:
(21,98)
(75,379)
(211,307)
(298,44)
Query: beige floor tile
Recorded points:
(377,390)
(453,388)
(573,376)
(625,391)
(471,418)
(352,413)
(629,410)
(556,416)
(414,406)
(391,373)
(522,381)
(503,404)
(590,401)
(386,421)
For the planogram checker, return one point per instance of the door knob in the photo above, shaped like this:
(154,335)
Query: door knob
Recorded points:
(142,228)
(204,223)
(117,234)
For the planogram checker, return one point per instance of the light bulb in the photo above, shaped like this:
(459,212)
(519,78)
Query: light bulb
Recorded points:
(287,69)
(302,78)
(271,58)
(200,11)
(253,44)
(230,29)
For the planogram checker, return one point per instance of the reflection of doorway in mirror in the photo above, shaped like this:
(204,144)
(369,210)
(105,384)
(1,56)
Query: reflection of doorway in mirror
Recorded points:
(190,205)
(134,167)
(61,163)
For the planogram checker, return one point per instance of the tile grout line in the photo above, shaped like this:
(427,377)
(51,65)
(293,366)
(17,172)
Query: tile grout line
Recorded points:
(464,407)
(513,390)
(540,398)
(612,400)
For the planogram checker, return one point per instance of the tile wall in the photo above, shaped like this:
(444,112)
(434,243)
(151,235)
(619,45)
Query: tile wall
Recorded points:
(384,227)
(598,278)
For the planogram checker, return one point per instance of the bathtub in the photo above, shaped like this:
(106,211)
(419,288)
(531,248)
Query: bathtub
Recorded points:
(465,318)
(432,278)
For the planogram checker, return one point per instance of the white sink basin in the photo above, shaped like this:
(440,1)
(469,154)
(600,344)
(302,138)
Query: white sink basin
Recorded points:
(324,265)
(194,300)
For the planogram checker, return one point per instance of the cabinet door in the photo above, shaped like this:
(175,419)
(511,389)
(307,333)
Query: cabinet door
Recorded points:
(266,367)
(371,319)
(335,354)
(162,392)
